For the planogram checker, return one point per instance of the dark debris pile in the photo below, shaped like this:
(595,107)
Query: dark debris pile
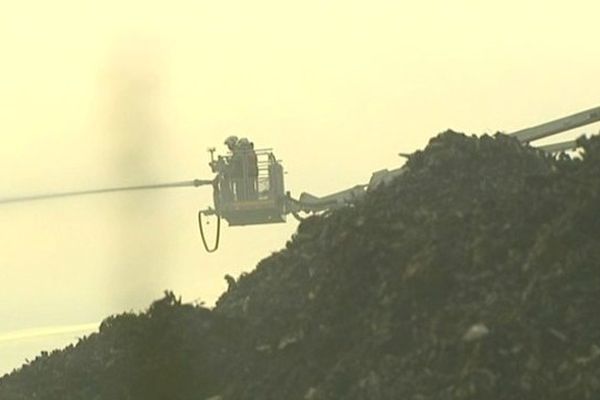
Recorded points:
(475,275)
(172,346)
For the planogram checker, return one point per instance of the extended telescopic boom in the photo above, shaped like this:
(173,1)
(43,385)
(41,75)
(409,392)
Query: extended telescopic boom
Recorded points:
(558,126)
(311,203)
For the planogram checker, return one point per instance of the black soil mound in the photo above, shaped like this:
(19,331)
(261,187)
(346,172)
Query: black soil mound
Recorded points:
(474,275)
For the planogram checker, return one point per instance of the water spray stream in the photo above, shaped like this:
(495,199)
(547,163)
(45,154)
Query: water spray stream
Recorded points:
(47,196)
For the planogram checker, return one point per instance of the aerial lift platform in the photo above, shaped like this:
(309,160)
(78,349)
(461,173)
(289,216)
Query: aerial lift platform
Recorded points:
(255,194)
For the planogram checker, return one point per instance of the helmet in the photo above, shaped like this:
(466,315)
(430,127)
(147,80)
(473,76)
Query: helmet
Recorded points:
(231,141)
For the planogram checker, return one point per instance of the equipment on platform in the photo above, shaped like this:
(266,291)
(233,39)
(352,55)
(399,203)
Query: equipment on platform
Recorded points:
(248,188)
(249,185)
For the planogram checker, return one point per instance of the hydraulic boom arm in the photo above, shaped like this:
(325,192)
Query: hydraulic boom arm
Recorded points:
(311,203)
(558,125)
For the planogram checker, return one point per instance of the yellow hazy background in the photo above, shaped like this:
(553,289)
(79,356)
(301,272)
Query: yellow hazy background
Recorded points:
(96,94)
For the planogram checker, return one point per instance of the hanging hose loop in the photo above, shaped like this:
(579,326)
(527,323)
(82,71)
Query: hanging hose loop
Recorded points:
(218,236)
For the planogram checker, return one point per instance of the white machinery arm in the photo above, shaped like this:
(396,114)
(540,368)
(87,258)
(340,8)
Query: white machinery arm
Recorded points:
(311,203)
(558,125)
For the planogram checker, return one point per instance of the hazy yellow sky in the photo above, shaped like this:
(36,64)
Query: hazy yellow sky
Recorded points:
(100,93)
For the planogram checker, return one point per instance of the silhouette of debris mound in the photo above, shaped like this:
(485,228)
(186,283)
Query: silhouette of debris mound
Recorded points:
(474,275)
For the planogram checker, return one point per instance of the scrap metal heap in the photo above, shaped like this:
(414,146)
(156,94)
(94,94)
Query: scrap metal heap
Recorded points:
(472,275)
